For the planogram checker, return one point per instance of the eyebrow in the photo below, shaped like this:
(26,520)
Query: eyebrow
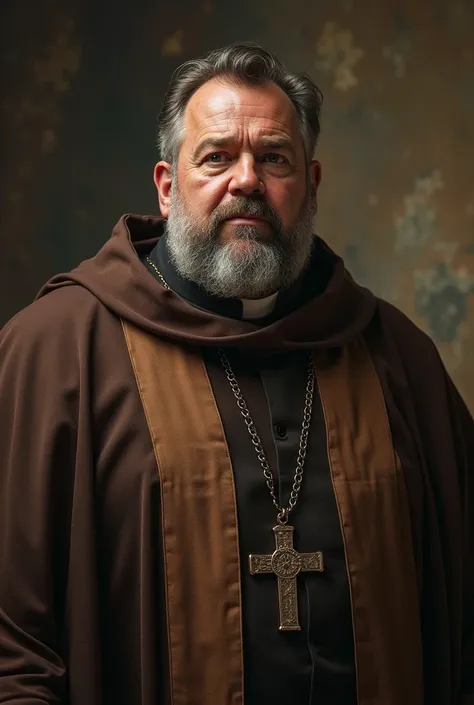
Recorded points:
(276,142)
(210,143)
(269,142)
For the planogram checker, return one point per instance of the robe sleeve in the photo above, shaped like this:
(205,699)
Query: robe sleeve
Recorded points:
(463,424)
(446,440)
(37,449)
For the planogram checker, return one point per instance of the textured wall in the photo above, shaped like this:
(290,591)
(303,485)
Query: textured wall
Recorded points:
(83,82)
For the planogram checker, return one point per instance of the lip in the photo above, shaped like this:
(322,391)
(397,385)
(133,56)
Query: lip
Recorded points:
(246,219)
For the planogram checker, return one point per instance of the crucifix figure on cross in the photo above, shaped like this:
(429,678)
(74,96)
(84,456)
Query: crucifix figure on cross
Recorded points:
(286,563)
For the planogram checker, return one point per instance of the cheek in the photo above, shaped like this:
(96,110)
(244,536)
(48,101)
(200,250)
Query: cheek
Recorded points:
(211,193)
(203,194)
(287,199)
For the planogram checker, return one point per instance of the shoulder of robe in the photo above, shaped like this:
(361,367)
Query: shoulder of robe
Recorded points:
(52,332)
(412,343)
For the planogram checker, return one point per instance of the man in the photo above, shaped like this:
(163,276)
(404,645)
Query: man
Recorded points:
(229,474)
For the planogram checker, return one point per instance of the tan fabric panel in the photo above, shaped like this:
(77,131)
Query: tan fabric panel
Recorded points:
(373,509)
(199,520)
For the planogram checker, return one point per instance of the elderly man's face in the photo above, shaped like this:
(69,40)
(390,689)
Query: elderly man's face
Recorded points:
(242,180)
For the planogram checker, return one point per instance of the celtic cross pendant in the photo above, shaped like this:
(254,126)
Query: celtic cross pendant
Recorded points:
(286,563)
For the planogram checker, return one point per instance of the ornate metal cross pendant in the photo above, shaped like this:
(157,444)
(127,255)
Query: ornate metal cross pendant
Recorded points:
(286,563)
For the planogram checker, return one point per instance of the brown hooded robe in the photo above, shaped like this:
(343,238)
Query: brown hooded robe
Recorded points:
(131,496)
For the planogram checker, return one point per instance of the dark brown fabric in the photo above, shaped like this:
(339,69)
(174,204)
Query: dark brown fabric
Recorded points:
(80,572)
(199,519)
(81,584)
(371,496)
(433,435)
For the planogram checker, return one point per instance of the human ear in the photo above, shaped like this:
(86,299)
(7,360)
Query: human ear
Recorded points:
(162,179)
(315,171)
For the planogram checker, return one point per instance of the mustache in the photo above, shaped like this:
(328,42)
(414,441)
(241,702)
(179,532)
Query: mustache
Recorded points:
(246,206)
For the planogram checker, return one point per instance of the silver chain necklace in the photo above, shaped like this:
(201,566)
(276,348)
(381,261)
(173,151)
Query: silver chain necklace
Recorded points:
(284,562)
(283,512)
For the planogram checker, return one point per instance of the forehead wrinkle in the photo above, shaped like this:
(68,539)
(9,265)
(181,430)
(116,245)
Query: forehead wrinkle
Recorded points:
(234,107)
(226,129)
(226,116)
(256,132)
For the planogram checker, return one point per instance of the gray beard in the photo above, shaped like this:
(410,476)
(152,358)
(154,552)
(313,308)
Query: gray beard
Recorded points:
(222,269)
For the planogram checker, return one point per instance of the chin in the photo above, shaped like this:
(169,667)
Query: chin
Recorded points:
(243,234)
(242,248)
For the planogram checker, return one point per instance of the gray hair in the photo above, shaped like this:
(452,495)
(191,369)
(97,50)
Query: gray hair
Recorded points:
(246,64)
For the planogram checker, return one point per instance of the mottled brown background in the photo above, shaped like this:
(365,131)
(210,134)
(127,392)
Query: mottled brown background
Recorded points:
(82,84)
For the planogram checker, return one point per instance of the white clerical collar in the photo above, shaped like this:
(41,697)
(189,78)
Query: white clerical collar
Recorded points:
(258,308)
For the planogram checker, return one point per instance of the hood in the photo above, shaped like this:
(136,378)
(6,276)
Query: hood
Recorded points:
(119,280)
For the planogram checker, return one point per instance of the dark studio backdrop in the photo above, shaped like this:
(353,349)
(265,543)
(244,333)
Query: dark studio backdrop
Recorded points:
(82,82)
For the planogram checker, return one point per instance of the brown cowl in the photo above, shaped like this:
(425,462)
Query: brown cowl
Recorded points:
(117,277)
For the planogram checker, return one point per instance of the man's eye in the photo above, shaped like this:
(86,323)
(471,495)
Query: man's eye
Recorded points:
(215,158)
(274,158)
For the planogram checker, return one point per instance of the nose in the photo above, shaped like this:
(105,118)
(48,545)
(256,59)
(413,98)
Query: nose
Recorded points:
(245,180)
